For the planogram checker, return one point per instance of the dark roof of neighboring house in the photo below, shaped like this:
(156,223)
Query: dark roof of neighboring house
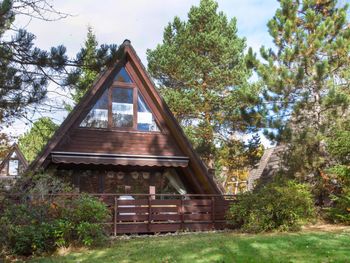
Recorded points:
(269,163)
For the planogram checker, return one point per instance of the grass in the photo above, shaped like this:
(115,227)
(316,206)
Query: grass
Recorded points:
(220,247)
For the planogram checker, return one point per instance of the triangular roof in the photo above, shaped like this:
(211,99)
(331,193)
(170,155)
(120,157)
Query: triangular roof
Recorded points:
(269,164)
(14,149)
(198,171)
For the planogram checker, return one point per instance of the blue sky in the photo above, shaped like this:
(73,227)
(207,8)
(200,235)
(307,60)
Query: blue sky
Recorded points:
(141,21)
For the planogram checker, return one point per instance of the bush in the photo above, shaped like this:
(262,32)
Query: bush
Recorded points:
(280,205)
(38,227)
(26,229)
(340,211)
(81,222)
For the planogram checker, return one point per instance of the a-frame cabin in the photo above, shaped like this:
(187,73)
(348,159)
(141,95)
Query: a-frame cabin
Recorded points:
(13,164)
(122,138)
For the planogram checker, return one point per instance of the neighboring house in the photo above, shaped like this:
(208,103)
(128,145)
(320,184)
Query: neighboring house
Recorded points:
(270,163)
(122,138)
(13,164)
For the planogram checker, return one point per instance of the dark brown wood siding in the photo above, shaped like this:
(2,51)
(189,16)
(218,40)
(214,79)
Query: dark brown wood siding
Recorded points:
(113,141)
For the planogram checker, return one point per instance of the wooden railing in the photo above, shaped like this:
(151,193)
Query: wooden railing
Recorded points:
(167,213)
(160,213)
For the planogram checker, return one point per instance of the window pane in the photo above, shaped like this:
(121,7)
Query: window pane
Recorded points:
(122,107)
(13,167)
(145,119)
(123,76)
(98,116)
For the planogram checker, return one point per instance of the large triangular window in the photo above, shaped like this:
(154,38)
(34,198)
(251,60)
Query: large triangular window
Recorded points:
(123,76)
(145,118)
(98,115)
(121,107)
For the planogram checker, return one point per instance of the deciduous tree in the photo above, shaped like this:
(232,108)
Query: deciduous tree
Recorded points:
(33,141)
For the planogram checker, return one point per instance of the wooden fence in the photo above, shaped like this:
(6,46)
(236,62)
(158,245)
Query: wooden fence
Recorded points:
(160,213)
(168,213)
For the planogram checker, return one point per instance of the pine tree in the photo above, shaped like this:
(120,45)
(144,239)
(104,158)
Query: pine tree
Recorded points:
(87,73)
(25,70)
(203,77)
(305,79)
(91,60)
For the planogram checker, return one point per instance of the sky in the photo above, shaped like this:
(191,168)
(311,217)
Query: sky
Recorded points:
(140,21)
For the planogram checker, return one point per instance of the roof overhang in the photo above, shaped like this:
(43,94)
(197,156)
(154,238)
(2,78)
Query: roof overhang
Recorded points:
(118,159)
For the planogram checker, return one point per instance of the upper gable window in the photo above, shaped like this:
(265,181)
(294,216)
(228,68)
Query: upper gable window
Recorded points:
(121,106)
(123,76)
(145,119)
(98,115)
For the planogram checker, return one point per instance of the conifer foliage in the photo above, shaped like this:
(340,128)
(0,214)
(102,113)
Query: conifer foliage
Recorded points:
(202,73)
(25,70)
(305,80)
(91,60)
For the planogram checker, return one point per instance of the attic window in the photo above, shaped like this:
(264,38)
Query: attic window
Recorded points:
(123,76)
(98,115)
(121,106)
(145,119)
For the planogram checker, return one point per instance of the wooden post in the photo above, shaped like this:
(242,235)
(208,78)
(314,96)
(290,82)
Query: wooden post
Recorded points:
(152,191)
(115,215)
(213,211)
(180,211)
(236,188)
(101,187)
(149,213)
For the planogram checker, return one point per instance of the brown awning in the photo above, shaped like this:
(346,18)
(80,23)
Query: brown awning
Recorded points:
(119,159)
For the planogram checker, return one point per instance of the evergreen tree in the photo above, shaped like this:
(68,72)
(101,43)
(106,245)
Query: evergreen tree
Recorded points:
(25,70)
(203,77)
(33,141)
(305,78)
(89,70)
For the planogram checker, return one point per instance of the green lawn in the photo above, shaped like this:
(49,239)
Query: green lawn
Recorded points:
(221,247)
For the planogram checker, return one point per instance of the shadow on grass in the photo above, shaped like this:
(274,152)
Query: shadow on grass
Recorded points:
(221,247)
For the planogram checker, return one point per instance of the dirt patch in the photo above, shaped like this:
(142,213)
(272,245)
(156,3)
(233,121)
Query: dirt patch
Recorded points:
(326,227)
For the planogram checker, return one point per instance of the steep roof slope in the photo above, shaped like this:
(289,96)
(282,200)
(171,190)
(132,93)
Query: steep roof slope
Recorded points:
(270,163)
(198,171)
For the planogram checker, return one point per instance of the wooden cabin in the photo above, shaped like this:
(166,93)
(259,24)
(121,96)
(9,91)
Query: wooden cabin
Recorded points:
(122,138)
(13,164)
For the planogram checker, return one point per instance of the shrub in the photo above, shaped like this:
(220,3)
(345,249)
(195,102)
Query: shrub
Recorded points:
(280,205)
(38,227)
(80,222)
(26,229)
(340,211)
(90,234)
